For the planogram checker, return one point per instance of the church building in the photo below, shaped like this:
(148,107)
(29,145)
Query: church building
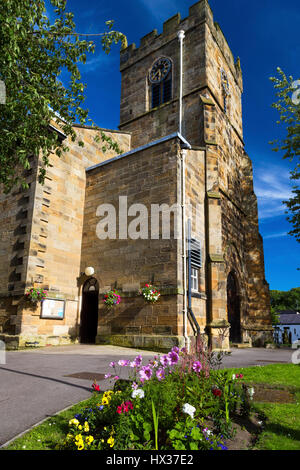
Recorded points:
(176,210)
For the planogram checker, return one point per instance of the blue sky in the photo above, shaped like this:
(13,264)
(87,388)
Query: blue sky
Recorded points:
(264,34)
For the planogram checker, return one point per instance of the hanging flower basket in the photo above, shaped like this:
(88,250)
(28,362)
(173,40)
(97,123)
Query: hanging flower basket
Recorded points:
(112,298)
(36,295)
(150,293)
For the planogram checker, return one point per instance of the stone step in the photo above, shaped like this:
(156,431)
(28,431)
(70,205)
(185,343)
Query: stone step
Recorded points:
(241,345)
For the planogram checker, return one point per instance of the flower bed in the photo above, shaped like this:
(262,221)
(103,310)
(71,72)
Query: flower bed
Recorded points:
(175,401)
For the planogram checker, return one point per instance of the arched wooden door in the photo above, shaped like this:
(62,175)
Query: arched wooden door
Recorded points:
(233,309)
(89,311)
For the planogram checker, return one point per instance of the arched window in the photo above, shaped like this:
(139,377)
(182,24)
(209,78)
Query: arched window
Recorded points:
(160,77)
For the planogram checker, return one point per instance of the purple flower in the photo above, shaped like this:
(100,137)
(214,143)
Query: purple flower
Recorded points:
(123,362)
(160,374)
(165,361)
(112,364)
(197,366)
(135,386)
(174,357)
(107,376)
(145,373)
(176,349)
(138,360)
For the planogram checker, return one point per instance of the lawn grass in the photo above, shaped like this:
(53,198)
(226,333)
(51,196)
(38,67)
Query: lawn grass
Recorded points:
(273,374)
(281,429)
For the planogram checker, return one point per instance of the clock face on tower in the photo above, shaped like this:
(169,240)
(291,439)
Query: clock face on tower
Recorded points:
(160,70)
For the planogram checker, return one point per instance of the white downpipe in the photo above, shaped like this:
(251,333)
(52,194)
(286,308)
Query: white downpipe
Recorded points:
(183,152)
(181,37)
(187,339)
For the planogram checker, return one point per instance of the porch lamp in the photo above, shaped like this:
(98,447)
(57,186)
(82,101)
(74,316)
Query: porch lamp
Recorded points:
(89,271)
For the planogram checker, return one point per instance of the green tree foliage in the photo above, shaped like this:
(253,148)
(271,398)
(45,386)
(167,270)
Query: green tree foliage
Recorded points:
(288,106)
(285,300)
(33,54)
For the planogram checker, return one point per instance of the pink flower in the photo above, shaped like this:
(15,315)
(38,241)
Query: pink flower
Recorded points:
(116,377)
(160,374)
(145,373)
(107,376)
(165,361)
(112,364)
(197,366)
(123,362)
(173,357)
(134,386)
(138,360)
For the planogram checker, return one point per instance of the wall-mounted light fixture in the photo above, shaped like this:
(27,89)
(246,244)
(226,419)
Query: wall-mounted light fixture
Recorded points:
(89,271)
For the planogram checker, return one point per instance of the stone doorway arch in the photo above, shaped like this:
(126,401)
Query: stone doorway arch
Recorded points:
(233,308)
(89,311)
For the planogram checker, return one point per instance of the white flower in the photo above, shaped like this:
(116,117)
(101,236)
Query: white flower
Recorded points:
(251,392)
(189,410)
(233,377)
(138,393)
(207,432)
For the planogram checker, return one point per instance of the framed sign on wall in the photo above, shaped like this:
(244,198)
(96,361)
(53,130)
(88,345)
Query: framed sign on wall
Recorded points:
(53,309)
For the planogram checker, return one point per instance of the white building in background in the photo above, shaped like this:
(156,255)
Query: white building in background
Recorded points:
(288,328)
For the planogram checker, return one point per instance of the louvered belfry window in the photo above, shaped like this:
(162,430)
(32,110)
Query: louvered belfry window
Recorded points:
(196,263)
(196,258)
(161,93)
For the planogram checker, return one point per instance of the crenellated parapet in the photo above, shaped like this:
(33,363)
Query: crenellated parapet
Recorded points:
(199,13)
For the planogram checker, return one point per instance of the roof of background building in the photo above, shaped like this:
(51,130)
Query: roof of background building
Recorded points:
(289,317)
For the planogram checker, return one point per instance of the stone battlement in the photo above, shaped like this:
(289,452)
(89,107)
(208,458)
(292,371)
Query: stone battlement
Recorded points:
(199,13)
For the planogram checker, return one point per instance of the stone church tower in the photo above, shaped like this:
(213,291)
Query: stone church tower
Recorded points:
(182,137)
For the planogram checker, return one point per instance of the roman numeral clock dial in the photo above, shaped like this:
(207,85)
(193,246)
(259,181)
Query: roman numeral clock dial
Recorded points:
(160,70)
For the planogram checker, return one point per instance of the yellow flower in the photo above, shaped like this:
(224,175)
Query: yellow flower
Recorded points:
(80,445)
(73,421)
(78,437)
(111,441)
(80,427)
(69,436)
(105,401)
(89,439)
(86,426)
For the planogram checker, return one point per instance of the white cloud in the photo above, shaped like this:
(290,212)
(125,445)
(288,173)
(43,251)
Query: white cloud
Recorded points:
(275,235)
(272,186)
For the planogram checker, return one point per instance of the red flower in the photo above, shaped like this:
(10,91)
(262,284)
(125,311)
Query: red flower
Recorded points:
(217,392)
(119,409)
(96,387)
(146,285)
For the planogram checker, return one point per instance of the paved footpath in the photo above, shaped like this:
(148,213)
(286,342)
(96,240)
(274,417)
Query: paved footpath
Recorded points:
(34,384)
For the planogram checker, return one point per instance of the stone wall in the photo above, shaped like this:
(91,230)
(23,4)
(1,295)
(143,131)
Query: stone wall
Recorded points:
(48,231)
(15,220)
(146,177)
